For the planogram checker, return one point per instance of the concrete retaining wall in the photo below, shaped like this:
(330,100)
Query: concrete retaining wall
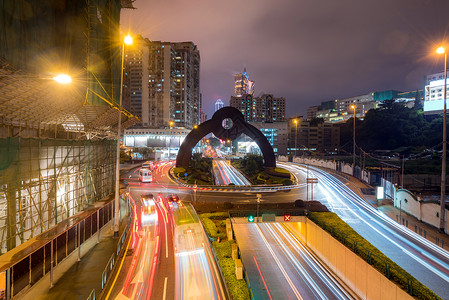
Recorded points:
(427,212)
(358,275)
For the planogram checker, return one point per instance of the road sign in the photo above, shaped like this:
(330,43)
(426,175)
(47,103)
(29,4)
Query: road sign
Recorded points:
(250,218)
(287,218)
(195,187)
(312,180)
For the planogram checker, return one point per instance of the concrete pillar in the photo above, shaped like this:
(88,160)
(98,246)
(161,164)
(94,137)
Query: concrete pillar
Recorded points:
(238,269)
(235,251)
(229,230)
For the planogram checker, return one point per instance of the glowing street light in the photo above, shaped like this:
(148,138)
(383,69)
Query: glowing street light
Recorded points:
(63,78)
(171,123)
(128,41)
(296,134)
(441,50)
(353,143)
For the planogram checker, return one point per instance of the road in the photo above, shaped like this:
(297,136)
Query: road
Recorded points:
(425,261)
(225,174)
(160,267)
(280,267)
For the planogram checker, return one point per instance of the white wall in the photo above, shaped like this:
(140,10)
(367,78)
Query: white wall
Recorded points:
(423,211)
(406,201)
(357,274)
(429,214)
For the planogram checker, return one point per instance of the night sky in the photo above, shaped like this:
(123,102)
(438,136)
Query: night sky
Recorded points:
(307,51)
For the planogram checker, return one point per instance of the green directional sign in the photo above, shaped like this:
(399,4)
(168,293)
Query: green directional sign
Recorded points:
(250,218)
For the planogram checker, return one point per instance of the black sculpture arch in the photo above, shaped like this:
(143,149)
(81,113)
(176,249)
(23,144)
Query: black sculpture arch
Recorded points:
(215,125)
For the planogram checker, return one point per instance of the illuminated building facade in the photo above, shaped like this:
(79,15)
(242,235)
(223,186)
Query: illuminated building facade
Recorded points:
(265,108)
(162,83)
(276,134)
(321,138)
(243,85)
(434,94)
(218,105)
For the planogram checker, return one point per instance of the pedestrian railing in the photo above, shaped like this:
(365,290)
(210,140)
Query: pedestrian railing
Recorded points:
(109,269)
(28,269)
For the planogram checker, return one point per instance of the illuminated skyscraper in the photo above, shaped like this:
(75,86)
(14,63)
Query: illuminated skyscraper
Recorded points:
(218,104)
(265,108)
(161,83)
(243,85)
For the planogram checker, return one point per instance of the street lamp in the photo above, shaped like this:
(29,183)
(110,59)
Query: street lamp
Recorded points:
(127,41)
(353,143)
(441,50)
(169,138)
(296,134)
(63,78)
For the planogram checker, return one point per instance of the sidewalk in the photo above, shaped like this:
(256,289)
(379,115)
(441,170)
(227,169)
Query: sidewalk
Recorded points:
(429,232)
(77,279)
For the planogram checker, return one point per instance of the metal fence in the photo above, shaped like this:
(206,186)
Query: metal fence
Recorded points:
(34,266)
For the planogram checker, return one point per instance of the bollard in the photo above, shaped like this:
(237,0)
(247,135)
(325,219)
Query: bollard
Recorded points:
(235,251)
(238,269)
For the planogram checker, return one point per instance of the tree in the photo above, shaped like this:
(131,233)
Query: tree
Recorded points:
(315,121)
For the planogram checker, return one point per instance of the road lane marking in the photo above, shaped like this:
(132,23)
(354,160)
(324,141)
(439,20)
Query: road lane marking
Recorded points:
(119,269)
(263,279)
(165,288)
(276,259)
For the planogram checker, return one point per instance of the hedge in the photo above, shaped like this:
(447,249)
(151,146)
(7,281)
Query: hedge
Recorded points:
(350,238)
(237,288)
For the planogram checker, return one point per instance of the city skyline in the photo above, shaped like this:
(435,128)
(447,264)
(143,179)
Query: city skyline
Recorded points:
(367,46)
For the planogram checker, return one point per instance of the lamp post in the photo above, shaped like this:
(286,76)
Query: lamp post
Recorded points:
(128,41)
(441,50)
(353,144)
(296,134)
(169,138)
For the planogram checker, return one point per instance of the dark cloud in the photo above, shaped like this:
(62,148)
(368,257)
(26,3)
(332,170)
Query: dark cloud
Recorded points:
(305,50)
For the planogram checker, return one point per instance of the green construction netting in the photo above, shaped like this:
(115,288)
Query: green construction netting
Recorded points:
(45,36)
(9,148)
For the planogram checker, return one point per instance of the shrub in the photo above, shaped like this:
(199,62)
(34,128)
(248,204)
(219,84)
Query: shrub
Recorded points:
(287,182)
(237,288)
(350,238)
(299,203)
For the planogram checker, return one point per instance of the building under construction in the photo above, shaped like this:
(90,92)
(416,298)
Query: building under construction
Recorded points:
(57,141)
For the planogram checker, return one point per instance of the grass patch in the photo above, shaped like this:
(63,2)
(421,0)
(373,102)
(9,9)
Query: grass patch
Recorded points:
(350,238)
(215,226)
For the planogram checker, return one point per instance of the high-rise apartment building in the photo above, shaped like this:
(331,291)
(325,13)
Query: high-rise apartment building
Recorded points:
(265,108)
(304,138)
(243,85)
(162,83)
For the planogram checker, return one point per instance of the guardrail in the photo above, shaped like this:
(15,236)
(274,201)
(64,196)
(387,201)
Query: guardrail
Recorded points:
(39,262)
(245,275)
(91,295)
(235,188)
(109,269)
(114,257)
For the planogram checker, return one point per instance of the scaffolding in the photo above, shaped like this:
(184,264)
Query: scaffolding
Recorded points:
(47,181)
(57,143)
